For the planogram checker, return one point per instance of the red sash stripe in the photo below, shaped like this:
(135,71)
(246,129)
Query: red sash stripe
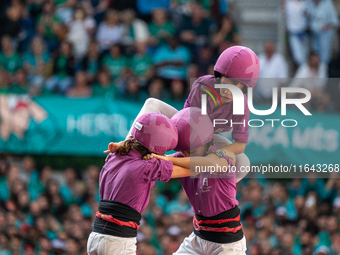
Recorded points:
(199,222)
(211,229)
(109,218)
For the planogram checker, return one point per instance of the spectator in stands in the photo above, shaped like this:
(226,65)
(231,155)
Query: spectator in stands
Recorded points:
(145,7)
(323,22)
(36,62)
(283,201)
(115,62)
(204,60)
(171,60)
(313,76)
(63,69)
(10,60)
(48,25)
(296,22)
(157,89)
(66,190)
(64,10)
(104,87)
(179,204)
(227,35)
(132,90)
(196,30)
(253,201)
(4,82)
(80,29)
(95,8)
(20,85)
(136,30)
(81,88)
(141,64)
(273,73)
(11,21)
(177,90)
(4,243)
(160,28)
(110,31)
(90,62)
(27,28)
(192,73)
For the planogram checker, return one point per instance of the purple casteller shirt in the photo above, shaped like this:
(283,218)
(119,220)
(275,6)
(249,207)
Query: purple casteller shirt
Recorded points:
(240,131)
(210,196)
(128,179)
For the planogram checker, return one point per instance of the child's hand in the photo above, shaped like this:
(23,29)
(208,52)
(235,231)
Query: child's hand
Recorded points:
(153,155)
(112,147)
(163,157)
(148,156)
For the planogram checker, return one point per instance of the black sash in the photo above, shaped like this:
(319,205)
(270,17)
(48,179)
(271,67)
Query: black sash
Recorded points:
(233,228)
(118,211)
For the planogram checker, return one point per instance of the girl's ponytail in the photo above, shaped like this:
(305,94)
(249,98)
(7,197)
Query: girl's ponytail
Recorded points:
(132,143)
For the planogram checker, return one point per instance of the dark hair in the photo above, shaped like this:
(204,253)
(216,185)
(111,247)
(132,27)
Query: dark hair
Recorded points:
(132,143)
(218,77)
(217,74)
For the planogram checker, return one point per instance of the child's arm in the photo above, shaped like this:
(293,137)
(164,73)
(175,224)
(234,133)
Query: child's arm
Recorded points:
(180,172)
(192,162)
(236,147)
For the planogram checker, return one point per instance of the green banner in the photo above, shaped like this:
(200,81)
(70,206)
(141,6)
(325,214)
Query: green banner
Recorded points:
(84,127)
(63,126)
(314,139)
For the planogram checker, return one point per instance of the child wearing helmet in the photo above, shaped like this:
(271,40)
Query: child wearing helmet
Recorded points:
(125,182)
(238,66)
(217,226)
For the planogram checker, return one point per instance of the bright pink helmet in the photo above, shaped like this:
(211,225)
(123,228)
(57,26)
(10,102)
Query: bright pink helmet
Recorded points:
(239,63)
(194,129)
(155,132)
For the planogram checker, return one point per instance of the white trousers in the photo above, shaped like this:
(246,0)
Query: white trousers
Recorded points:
(99,244)
(155,105)
(194,245)
(299,48)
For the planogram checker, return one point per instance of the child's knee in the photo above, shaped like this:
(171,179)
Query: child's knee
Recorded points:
(152,104)
(242,160)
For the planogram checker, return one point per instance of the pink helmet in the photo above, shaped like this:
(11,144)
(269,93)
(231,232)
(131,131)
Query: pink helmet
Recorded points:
(155,132)
(194,129)
(239,63)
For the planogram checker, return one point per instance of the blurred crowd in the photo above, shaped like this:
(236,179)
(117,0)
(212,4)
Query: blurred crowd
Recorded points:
(100,48)
(43,211)
(312,35)
(137,49)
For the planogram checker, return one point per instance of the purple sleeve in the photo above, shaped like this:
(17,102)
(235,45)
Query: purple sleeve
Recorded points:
(187,103)
(240,132)
(158,170)
(177,155)
(214,147)
(230,162)
(194,98)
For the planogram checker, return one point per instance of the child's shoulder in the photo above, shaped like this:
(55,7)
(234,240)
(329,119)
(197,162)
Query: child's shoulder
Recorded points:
(206,79)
